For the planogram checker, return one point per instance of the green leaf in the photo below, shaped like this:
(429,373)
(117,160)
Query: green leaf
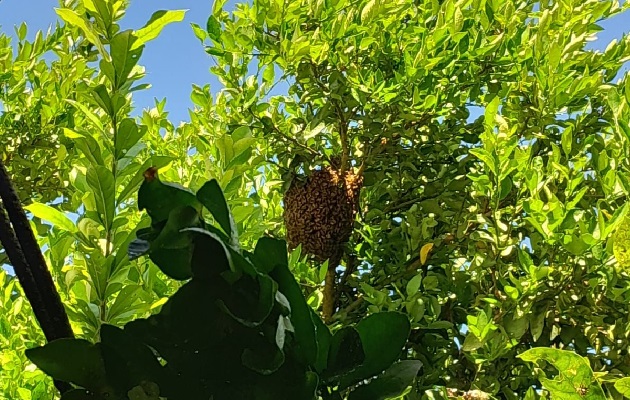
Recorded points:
(199,32)
(124,300)
(389,385)
(217,6)
(490,113)
(345,354)
(211,196)
(251,300)
(123,57)
(324,338)
(160,198)
(369,11)
(101,96)
(127,360)
(135,182)
(154,26)
(72,18)
(575,374)
(271,253)
(54,216)
(383,336)
(127,136)
(305,333)
(172,249)
(88,113)
(72,360)
(414,285)
(213,27)
(567,140)
(88,146)
(211,257)
(623,386)
(102,10)
(101,181)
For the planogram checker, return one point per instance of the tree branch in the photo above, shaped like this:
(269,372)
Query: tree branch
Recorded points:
(33,261)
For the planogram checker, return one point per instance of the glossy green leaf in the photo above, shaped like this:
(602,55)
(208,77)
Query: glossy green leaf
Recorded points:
(301,317)
(383,336)
(390,384)
(211,196)
(213,27)
(127,136)
(346,353)
(575,374)
(123,57)
(56,217)
(160,198)
(74,19)
(154,26)
(72,360)
(271,253)
(101,181)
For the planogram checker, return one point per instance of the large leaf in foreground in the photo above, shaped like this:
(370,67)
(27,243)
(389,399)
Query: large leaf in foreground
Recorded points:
(389,385)
(575,378)
(383,336)
(72,360)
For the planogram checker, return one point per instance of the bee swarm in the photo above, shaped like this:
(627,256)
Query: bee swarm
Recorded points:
(319,213)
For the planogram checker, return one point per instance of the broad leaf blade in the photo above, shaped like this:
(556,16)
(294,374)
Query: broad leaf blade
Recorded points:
(211,196)
(101,181)
(154,26)
(383,336)
(72,360)
(56,217)
(389,385)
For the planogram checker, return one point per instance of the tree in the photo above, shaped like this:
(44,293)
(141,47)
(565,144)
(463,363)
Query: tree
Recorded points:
(494,151)
(493,232)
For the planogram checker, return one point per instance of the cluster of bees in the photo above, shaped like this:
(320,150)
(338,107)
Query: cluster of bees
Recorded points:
(319,212)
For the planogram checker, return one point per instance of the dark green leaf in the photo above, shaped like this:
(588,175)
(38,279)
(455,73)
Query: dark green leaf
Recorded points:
(305,333)
(213,27)
(72,360)
(383,336)
(324,337)
(345,354)
(135,182)
(271,253)
(211,196)
(389,385)
(160,198)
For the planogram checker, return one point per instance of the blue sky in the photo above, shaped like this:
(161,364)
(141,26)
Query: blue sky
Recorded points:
(176,59)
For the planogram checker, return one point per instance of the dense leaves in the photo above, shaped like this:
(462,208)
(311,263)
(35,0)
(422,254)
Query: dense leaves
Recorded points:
(493,142)
(228,332)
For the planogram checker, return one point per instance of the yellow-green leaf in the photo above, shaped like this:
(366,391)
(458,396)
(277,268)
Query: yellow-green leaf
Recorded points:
(72,18)
(154,26)
(52,215)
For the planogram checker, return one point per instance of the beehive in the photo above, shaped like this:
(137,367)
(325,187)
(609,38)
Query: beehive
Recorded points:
(319,212)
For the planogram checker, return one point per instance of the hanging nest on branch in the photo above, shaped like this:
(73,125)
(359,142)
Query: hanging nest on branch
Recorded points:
(319,212)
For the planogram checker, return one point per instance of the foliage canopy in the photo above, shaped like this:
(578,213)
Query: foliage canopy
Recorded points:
(493,143)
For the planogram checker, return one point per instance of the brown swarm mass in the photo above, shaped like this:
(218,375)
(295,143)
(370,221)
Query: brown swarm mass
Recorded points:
(319,213)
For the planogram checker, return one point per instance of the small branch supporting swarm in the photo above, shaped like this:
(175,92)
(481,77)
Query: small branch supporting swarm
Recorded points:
(330,294)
